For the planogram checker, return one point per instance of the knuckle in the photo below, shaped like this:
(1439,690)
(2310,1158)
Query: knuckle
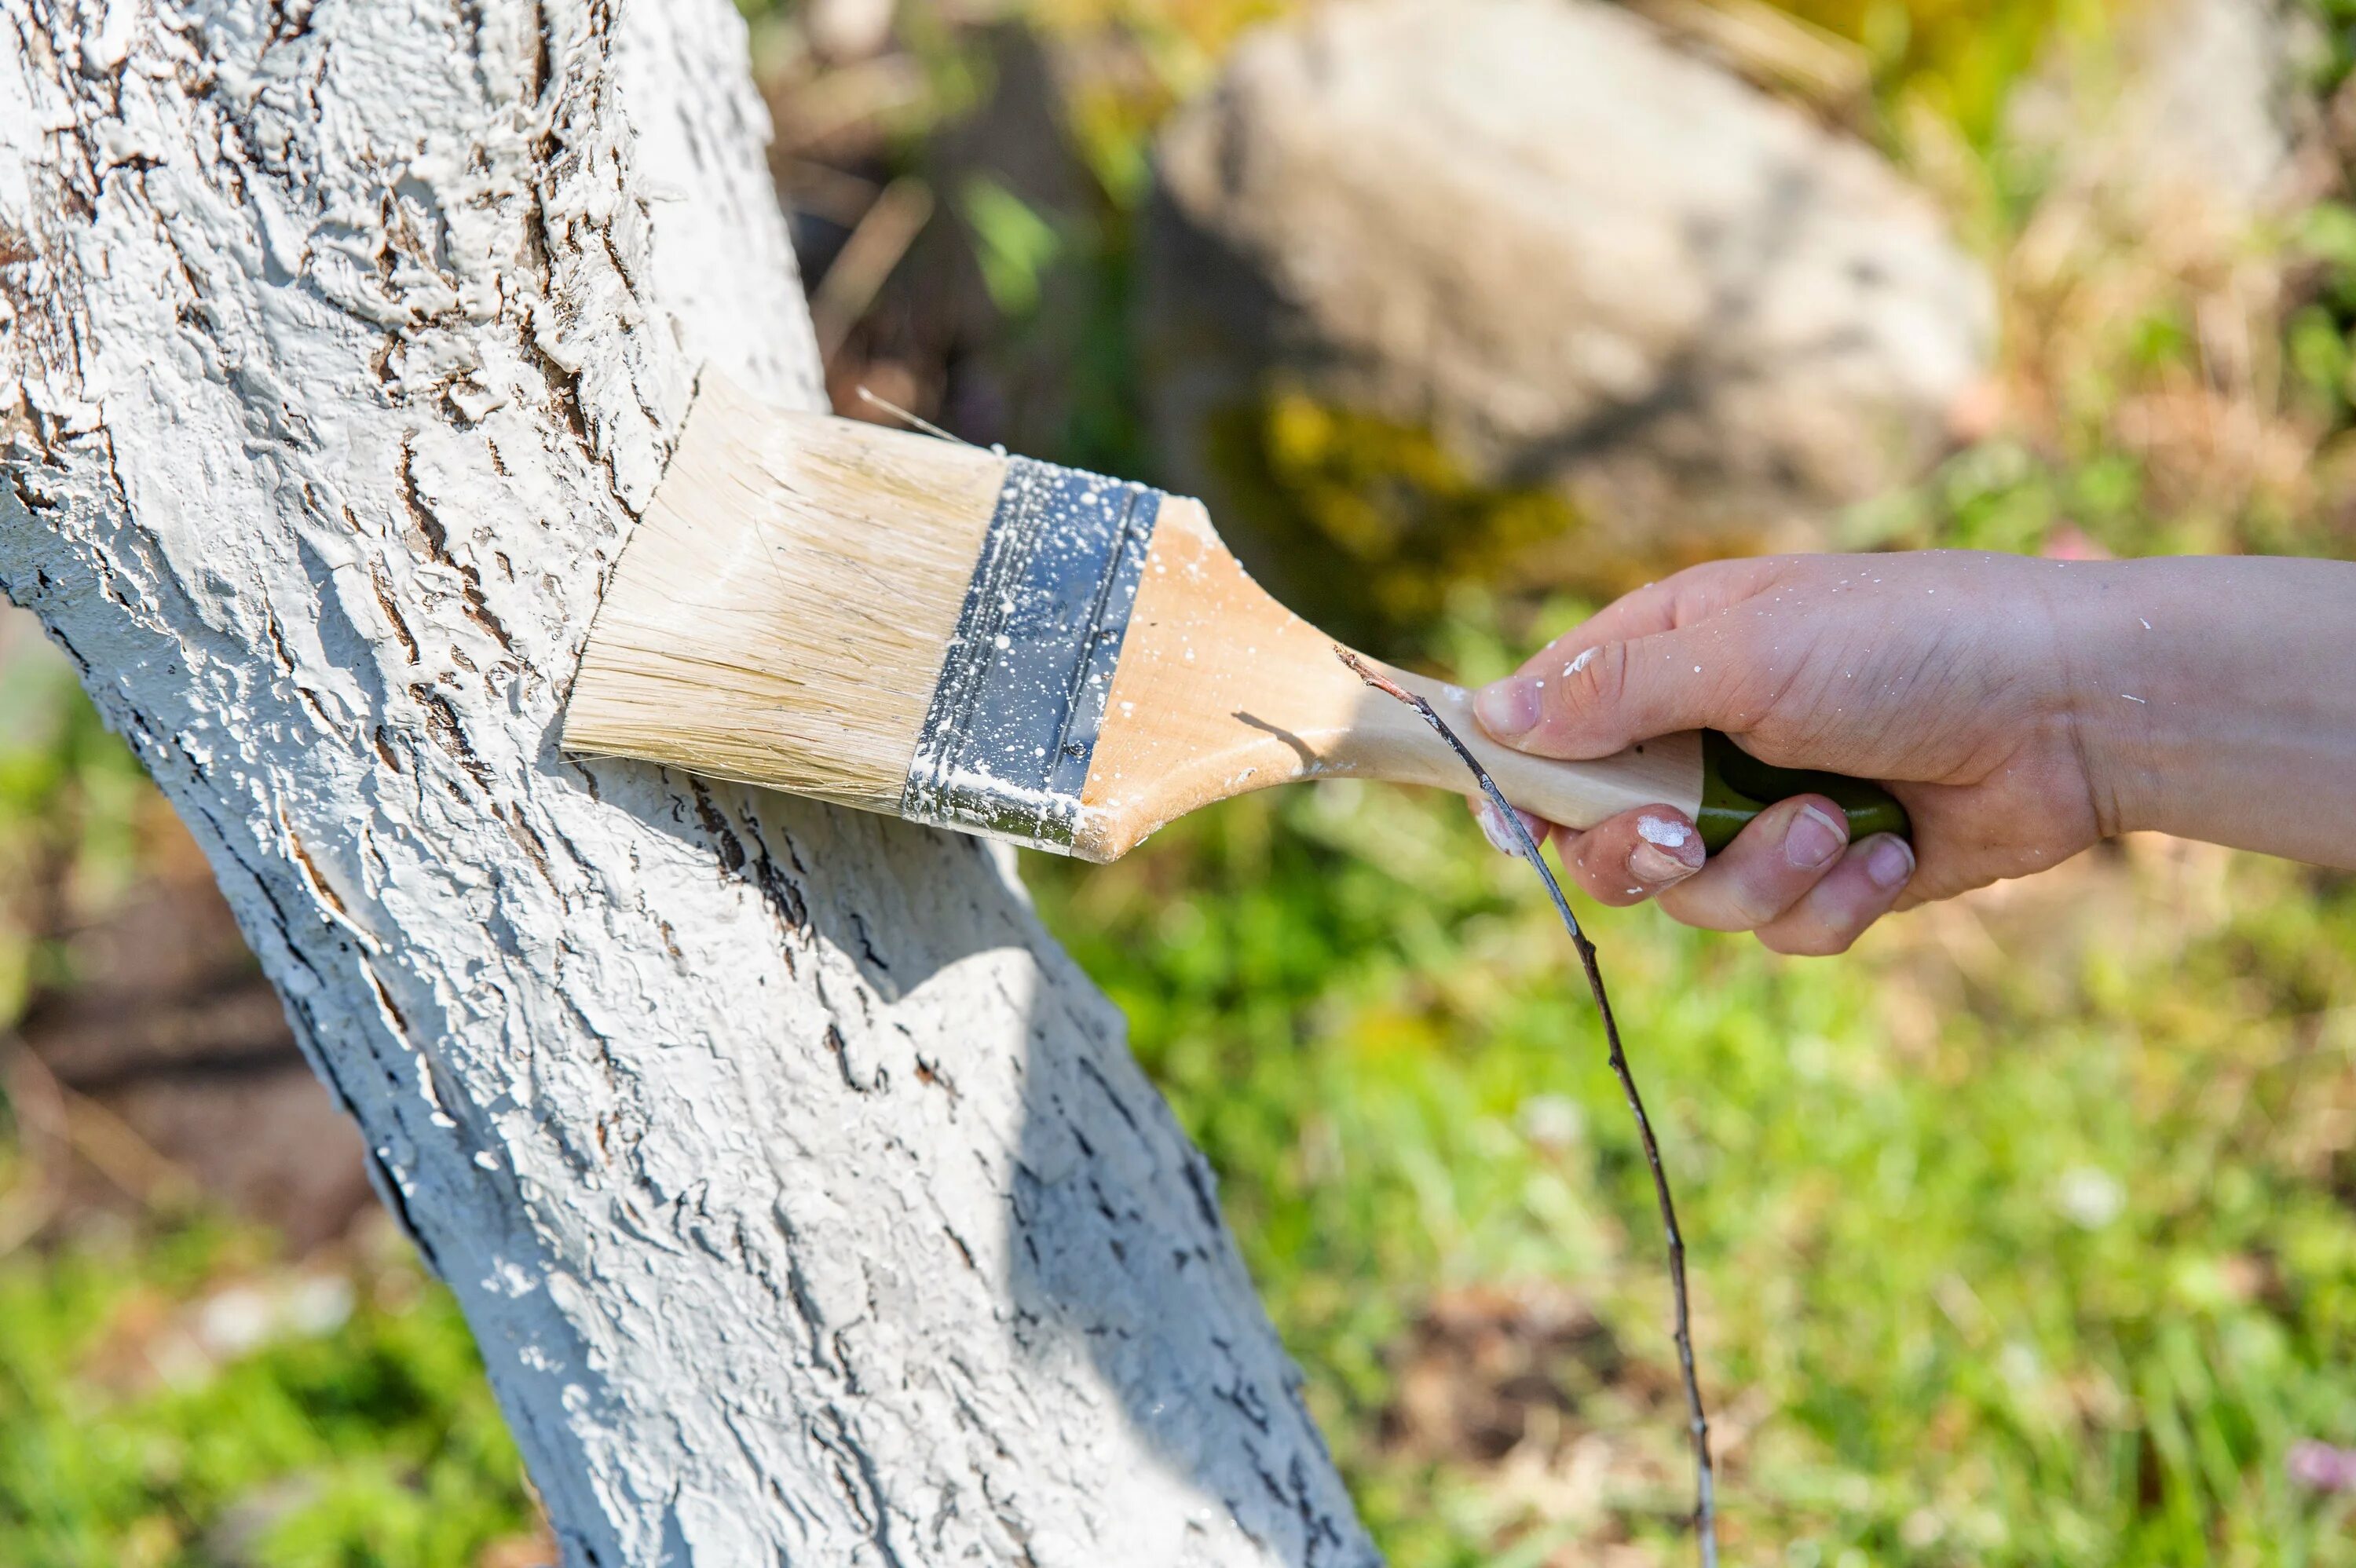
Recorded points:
(1692,598)
(1602,875)
(1810,941)
(1756,902)
(1706,907)
(1594,679)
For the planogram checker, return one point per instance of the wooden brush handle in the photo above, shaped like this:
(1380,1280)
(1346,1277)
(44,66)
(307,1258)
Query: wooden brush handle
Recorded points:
(1221,690)
(1386,739)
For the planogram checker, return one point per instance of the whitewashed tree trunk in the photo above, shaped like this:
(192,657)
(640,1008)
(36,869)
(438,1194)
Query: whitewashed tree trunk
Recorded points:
(804,1197)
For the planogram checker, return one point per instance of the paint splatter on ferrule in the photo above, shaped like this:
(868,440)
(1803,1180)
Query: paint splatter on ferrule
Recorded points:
(1012,727)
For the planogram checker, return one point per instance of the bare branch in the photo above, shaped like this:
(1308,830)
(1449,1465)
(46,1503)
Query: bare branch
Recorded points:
(1705,1514)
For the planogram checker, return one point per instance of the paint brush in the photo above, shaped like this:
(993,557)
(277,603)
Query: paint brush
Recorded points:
(915,626)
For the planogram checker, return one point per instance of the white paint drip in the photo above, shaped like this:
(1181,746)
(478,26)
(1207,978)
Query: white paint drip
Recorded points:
(1660,830)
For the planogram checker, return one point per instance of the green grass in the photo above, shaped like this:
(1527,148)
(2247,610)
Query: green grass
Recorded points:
(2034,1258)
(134,1433)
(139,1428)
(2021,1236)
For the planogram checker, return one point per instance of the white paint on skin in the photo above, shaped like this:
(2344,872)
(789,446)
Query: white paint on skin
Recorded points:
(660,1072)
(1664,832)
(1500,835)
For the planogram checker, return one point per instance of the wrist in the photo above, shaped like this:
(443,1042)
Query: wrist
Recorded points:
(2106,641)
(2214,698)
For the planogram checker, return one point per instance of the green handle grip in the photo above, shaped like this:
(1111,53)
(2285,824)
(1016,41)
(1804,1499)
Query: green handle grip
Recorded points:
(1737,787)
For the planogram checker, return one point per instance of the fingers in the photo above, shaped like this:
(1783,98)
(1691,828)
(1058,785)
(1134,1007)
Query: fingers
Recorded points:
(1634,856)
(1607,698)
(1770,865)
(1792,876)
(1866,884)
(1623,862)
(1690,595)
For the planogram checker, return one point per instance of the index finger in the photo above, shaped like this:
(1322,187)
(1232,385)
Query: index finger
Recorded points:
(1693,594)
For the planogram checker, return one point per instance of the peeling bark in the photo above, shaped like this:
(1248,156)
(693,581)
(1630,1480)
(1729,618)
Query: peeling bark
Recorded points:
(804,1197)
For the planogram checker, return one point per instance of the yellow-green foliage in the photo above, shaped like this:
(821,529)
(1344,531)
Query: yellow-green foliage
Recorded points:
(360,1434)
(1367,523)
(71,805)
(1958,56)
(1149,56)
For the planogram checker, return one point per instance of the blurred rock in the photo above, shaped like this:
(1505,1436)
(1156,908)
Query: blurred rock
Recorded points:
(2171,156)
(1582,260)
(2197,113)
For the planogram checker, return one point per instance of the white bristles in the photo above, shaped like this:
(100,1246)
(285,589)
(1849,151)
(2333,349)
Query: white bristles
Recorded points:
(781,614)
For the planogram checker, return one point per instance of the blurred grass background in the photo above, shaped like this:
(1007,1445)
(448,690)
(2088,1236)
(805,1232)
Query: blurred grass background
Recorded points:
(2024,1235)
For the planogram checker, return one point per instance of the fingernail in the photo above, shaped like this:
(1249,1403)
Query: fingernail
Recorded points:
(1508,708)
(1656,868)
(1669,850)
(1500,836)
(1890,863)
(1812,839)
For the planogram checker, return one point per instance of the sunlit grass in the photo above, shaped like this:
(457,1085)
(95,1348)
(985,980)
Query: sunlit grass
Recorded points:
(177,1397)
(2022,1236)
(2016,1234)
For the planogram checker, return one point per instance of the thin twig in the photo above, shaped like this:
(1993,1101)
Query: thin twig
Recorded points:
(913,421)
(1705,1514)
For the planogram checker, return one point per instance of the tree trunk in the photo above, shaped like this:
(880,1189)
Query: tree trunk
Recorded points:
(803,1197)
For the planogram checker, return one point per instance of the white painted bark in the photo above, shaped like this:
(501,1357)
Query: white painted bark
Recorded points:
(804,1197)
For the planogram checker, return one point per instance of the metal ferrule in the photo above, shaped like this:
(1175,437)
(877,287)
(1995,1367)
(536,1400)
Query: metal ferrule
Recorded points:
(1007,742)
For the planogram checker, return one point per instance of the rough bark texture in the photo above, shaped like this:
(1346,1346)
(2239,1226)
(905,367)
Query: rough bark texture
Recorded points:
(804,1197)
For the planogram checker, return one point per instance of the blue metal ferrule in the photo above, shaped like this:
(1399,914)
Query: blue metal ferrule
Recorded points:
(1006,744)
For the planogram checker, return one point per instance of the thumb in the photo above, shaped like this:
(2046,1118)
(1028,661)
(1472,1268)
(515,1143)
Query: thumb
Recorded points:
(1609,697)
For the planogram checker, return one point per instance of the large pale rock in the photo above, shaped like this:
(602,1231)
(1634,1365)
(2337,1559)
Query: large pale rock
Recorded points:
(2194,114)
(1583,259)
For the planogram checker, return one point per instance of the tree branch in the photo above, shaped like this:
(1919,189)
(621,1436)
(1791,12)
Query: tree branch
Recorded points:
(1705,1514)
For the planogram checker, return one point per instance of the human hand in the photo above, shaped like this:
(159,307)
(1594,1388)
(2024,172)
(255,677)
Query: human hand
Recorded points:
(1943,675)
